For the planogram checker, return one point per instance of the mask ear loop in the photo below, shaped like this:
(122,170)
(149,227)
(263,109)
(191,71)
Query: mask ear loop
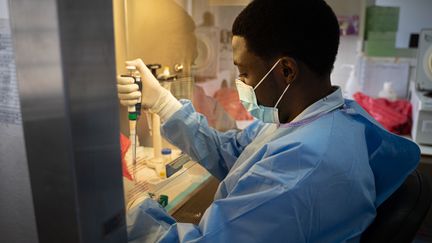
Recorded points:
(280,98)
(267,74)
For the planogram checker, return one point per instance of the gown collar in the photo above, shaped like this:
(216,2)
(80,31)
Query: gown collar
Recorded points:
(318,109)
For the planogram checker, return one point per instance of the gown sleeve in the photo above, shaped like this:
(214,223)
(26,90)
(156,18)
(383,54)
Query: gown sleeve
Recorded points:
(216,151)
(281,199)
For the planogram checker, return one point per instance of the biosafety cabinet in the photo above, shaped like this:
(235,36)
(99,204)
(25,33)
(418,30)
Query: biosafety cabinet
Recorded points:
(61,177)
(60,174)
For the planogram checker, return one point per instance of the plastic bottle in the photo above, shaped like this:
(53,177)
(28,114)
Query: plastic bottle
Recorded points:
(161,170)
(161,167)
(352,86)
(388,92)
(166,155)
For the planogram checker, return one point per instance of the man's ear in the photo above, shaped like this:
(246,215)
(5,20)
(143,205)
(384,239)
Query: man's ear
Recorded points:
(290,69)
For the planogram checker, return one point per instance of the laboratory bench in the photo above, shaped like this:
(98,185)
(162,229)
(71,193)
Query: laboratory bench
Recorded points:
(190,195)
(190,192)
(193,209)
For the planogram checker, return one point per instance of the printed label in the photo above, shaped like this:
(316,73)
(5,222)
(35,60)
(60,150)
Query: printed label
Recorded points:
(9,97)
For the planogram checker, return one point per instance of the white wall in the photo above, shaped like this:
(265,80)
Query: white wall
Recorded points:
(414,15)
(347,55)
(349,47)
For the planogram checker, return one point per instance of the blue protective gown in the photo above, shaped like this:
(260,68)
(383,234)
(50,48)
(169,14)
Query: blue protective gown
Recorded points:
(319,178)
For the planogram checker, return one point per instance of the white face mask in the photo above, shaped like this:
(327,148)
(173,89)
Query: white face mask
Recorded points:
(249,101)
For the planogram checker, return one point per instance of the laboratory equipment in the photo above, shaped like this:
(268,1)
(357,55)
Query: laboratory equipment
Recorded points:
(166,76)
(206,65)
(177,164)
(160,165)
(134,111)
(154,68)
(67,187)
(424,61)
(62,177)
(166,154)
(422,116)
(421,98)
(158,161)
(163,200)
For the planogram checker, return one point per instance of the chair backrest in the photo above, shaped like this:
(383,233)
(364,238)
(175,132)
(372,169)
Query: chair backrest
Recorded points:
(402,214)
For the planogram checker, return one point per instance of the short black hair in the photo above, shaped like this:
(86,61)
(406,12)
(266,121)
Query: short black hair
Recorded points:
(306,30)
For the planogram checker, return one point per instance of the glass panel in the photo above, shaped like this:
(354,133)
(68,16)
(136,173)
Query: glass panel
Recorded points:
(191,43)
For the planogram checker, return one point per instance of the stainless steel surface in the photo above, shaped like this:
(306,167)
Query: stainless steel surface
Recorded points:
(126,29)
(17,220)
(66,78)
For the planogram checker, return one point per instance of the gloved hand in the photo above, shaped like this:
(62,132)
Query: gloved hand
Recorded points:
(153,96)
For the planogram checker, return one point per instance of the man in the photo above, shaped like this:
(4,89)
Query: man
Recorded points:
(313,167)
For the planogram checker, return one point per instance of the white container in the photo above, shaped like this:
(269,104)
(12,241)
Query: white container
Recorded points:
(161,170)
(388,92)
(166,155)
(351,86)
(161,167)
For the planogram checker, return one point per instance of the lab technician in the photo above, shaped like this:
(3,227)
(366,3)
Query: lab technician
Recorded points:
(313,167)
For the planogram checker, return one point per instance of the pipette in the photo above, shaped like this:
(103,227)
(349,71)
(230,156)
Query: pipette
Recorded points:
(134,112)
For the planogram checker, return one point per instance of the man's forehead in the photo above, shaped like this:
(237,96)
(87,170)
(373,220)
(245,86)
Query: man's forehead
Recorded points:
(242,57)
(239,43)
(239,50)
